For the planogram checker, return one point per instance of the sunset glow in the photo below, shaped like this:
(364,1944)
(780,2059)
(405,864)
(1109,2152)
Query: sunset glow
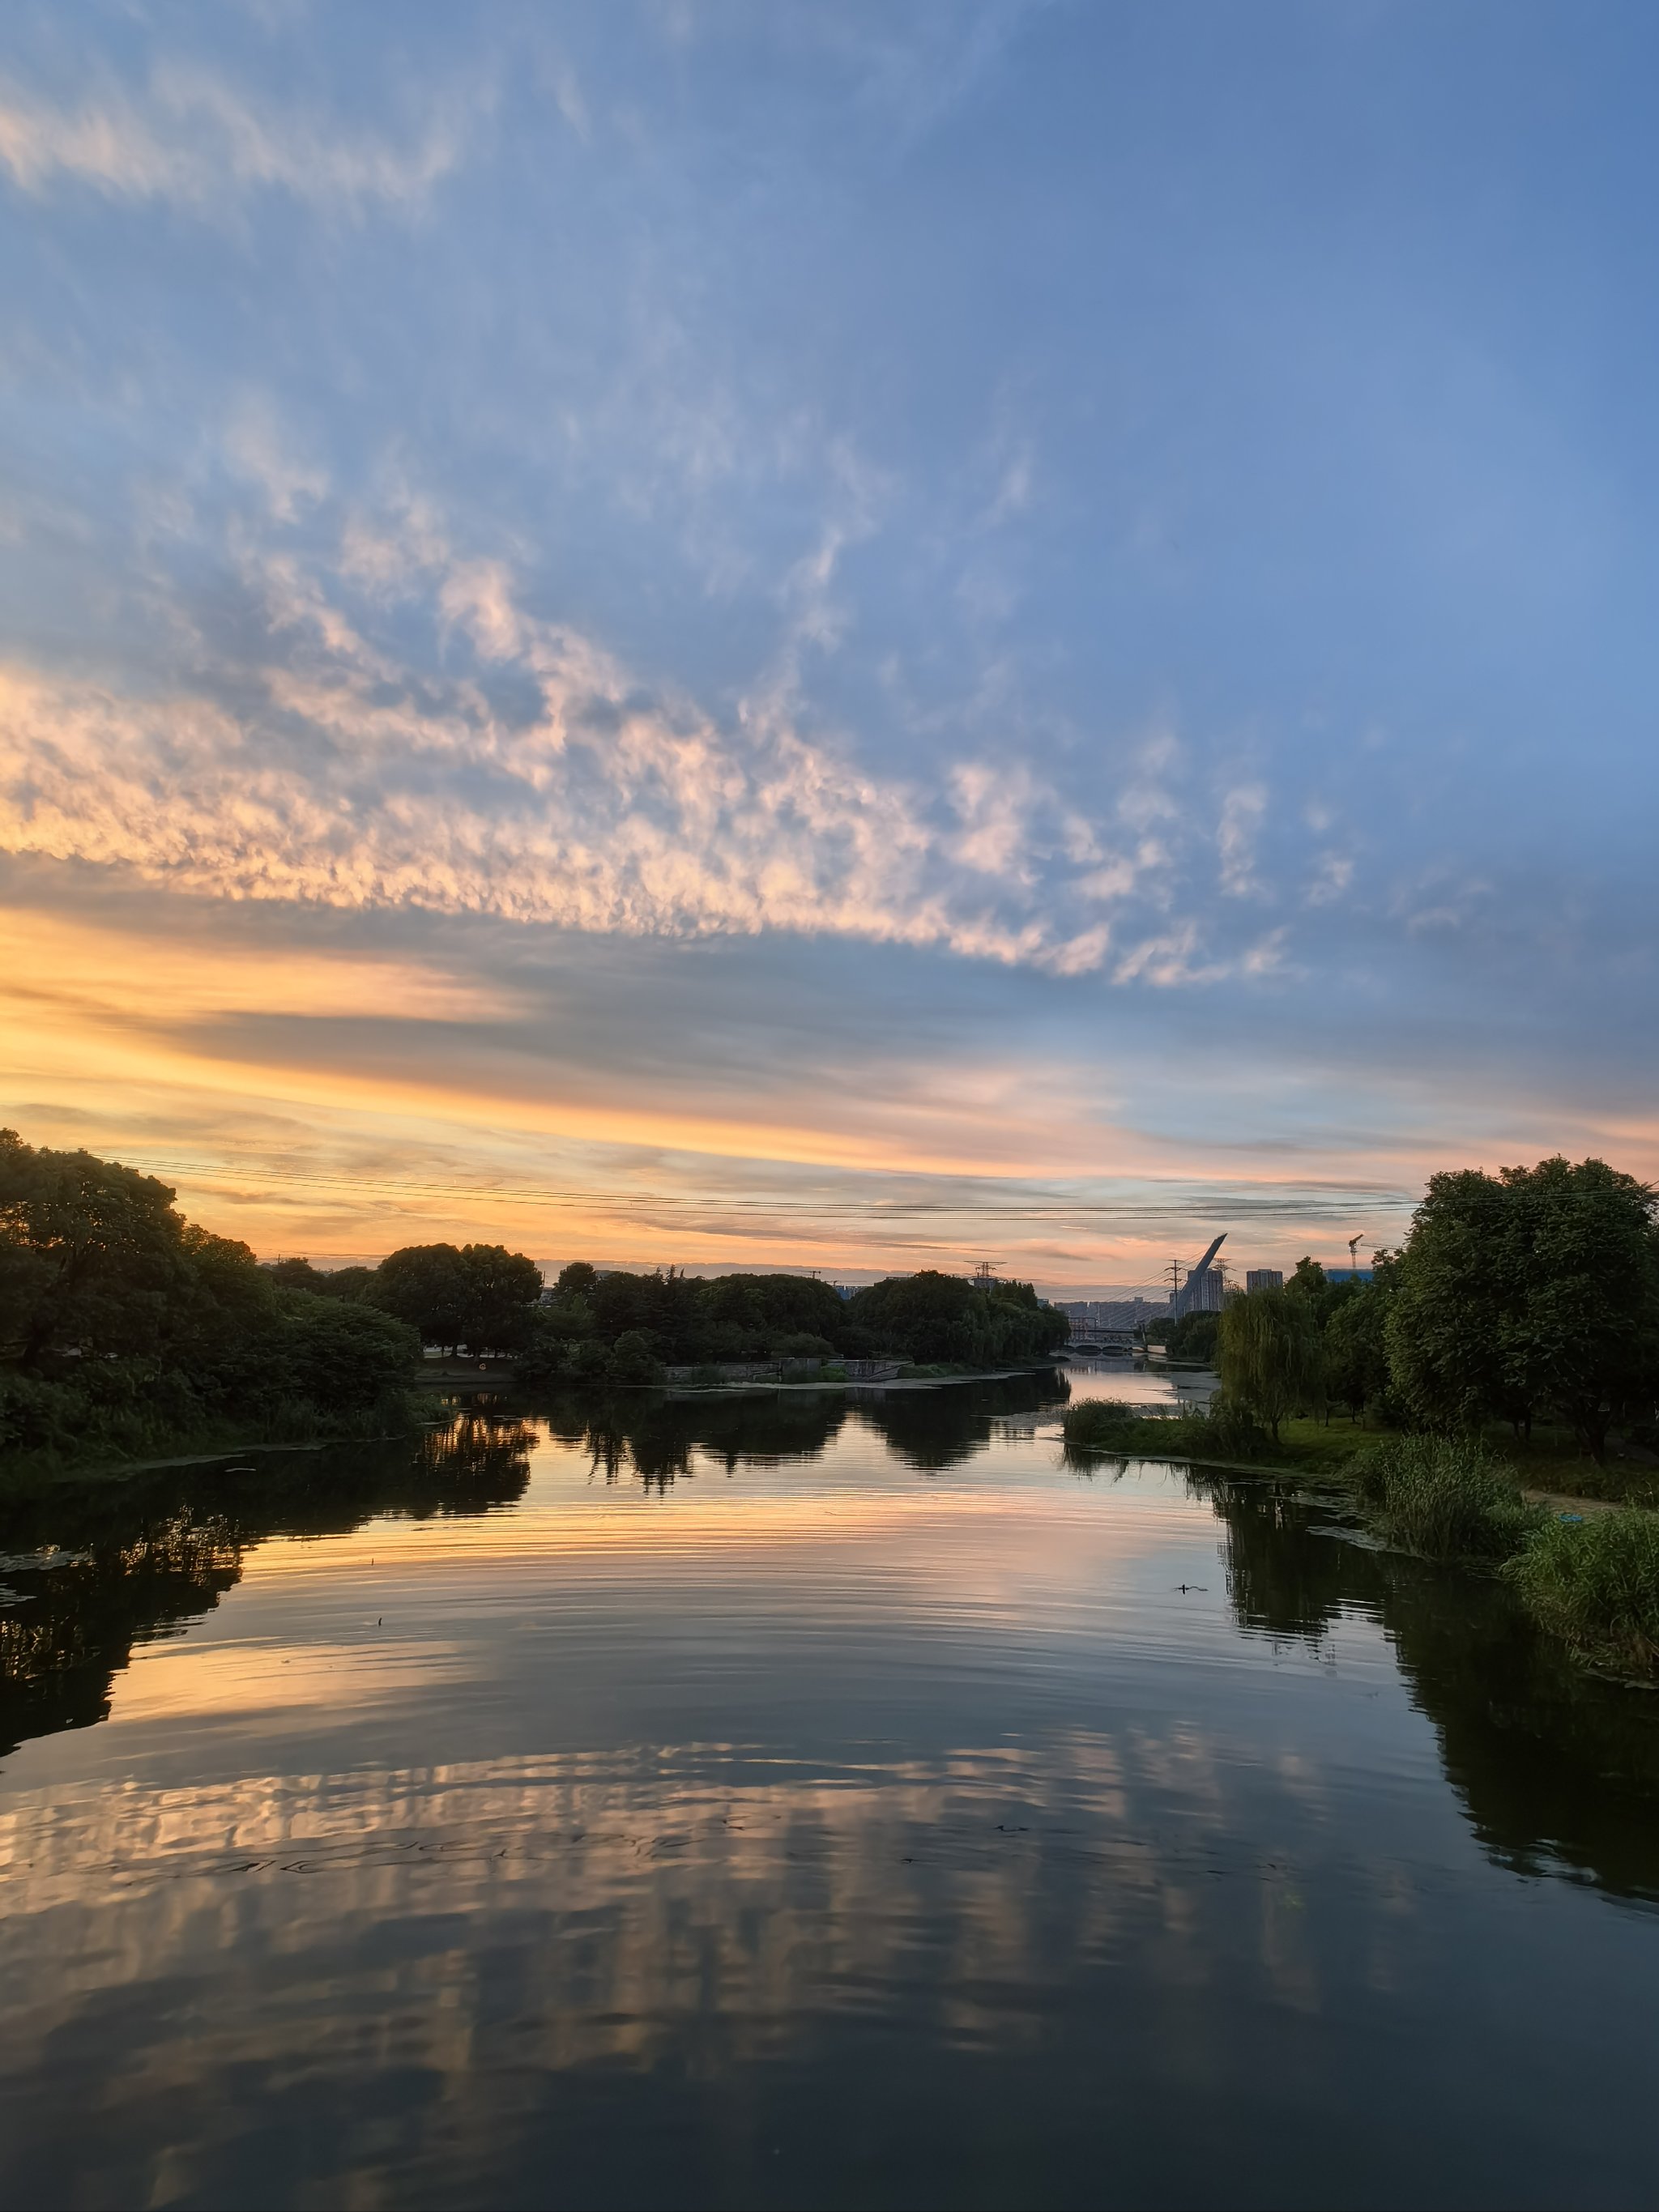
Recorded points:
(607,774)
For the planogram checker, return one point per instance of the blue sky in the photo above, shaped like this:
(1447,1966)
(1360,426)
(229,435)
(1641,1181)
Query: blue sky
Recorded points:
(848,635)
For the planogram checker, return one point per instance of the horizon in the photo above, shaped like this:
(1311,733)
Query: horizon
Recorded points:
(834,637)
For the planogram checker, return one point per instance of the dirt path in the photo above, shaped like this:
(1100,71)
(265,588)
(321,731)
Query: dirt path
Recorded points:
(1561,1501)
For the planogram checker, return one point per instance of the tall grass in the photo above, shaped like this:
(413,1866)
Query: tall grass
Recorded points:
(109,1419)
(1595,1583)
(1444,1498)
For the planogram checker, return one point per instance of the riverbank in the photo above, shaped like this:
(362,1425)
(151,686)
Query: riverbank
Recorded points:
(25,1475)
(1586,1568)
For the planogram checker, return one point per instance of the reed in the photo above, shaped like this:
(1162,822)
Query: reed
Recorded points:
(1444,1498)
(1595,1584)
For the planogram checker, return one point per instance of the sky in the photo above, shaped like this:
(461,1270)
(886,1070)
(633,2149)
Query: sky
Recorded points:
(855,637)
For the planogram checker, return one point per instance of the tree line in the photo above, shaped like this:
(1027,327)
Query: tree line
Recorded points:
(1532,1294)
(123,1325)
(1529,1295)
(624,1325)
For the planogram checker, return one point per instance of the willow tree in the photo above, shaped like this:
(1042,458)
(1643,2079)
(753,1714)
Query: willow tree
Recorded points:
(1271,1358)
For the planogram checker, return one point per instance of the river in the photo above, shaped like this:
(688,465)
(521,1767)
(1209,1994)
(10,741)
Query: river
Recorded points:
(782,1801)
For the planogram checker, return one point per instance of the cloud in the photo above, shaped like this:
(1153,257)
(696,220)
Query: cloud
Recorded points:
(1242,812)
(343,772)
(191,136)
(258,450)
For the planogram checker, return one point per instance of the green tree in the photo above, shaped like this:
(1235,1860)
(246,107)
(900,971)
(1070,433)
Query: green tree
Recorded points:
(322,1282)
(633,1358)
(94,1253)
(425,1285)
(481,1296)
(1357,1350)
(1308,1279)
(501,1291)
(1537,1287)
(1194,1336)
(1270,1356)
(937,1319)
(341,1355)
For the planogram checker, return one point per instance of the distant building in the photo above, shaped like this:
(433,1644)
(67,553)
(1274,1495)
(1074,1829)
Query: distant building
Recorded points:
(1346,1274)
(1132,1313)
(1088,1315)
(1264,1278)
(1203,1290)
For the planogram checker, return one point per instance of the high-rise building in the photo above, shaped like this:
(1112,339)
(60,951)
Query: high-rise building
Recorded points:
(1204,1288)
(1264,1278)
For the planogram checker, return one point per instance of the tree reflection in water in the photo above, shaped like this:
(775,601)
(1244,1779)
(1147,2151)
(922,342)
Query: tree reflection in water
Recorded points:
(1555,1768)
(93,1570)
(651,1435)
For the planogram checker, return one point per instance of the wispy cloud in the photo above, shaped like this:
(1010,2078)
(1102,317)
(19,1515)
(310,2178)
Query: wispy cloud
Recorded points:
(341,773)
(191,135)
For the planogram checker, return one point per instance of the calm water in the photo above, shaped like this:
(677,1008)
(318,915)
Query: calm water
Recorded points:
(776,1803)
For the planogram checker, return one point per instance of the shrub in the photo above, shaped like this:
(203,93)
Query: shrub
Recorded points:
(1444,1498)
(1228,1431)
(1595,1583)
(633,1358)
(1102,1423)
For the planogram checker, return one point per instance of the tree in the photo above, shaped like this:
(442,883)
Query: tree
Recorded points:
(425,1285)
(633,1358)
(1537,1287)
(342,1356)
(501,1291)
(937,1318)
(478,1295)
(759,1312)
(1308,1279)
(93,1251)
(1270,1355)
(1356,1352)
(1194,1336)
(322,1282)
(662,1304)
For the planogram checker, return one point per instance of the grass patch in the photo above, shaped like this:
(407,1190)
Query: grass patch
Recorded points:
(1109,1426)
(1595,1584)
(1322,1445)
(1444,1498)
